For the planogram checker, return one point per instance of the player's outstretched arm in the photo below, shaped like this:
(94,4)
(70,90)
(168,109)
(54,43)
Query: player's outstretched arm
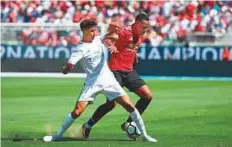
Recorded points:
(112,36)
(76,55)
(109,43)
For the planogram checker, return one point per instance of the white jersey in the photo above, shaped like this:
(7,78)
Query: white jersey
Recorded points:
(93,60)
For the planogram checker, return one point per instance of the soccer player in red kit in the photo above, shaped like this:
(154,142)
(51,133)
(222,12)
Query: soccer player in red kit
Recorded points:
(122,62)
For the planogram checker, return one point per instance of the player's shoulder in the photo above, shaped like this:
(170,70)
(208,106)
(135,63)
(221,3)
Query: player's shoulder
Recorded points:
(80,47)
(98,40)
(126,30)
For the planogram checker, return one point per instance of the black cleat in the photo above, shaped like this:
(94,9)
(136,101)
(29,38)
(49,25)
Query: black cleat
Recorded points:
(85,131)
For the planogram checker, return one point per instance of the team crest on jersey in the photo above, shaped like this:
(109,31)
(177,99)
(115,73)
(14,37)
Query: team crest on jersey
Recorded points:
(96,56)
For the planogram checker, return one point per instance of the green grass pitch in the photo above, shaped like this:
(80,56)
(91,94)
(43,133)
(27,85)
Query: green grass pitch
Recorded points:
(182,114)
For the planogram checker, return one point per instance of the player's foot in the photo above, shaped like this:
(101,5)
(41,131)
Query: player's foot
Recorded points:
(85,131)
(148,138)
(124,125)
(49,138)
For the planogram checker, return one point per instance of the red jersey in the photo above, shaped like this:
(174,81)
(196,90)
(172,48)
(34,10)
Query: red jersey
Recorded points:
(127,45)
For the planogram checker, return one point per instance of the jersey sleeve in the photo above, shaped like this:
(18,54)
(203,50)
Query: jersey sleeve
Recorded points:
(77,54)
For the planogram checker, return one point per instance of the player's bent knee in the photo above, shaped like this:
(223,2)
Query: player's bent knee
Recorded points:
(145,93)
(148,96)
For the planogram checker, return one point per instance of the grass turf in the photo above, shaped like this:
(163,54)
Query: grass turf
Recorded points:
(182,114)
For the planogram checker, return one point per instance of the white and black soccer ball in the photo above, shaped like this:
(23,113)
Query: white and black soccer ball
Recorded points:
(132,131)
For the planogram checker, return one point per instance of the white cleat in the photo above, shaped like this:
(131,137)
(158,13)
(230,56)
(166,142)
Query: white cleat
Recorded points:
(47,138)
(149,139)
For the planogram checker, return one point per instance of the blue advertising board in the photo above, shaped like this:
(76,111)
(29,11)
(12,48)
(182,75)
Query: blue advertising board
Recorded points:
(153,61)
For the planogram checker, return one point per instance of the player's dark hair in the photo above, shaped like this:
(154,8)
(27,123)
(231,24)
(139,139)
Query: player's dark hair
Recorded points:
(87,23)
(142,16)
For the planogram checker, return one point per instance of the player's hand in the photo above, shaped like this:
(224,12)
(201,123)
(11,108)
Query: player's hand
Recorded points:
(114,27)
(67,68)
(113,49)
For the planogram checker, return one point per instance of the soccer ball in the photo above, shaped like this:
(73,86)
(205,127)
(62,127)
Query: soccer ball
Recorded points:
(132,131)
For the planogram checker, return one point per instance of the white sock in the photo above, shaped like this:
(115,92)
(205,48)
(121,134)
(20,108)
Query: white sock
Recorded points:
(136,117)
(66,124)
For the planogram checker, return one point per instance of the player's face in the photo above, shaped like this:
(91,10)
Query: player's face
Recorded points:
(142,27)
(91,32)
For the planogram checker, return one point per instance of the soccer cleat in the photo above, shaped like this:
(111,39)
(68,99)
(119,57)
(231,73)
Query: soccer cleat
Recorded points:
(49,138)
(124,126)
(85,131)
(148,138)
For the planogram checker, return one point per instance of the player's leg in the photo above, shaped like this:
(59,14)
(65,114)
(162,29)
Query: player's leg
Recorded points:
(77,111)
(87,95)
(137,85)
(116,93)
(125,102)
(104,108)
(98,114)
(145,95)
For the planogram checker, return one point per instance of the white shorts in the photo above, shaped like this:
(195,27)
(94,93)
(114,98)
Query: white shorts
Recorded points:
(89,92)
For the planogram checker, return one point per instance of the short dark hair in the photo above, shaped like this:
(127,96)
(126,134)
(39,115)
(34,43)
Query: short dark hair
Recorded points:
(142,16)
(87,23)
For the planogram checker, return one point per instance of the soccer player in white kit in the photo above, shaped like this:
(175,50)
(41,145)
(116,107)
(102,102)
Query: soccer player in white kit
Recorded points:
(90,53)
